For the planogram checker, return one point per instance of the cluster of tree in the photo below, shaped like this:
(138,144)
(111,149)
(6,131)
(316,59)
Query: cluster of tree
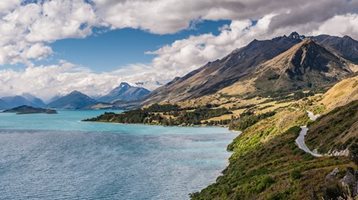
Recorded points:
(169,115)
(162,108)
(130,117)
(248,119)
(195,117)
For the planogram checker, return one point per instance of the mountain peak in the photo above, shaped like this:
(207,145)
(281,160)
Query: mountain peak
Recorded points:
(295,35)
(305,65)
(124,84)
(75,92)
(73,100)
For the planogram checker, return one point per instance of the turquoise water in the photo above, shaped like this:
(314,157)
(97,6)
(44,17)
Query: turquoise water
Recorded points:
(59,157)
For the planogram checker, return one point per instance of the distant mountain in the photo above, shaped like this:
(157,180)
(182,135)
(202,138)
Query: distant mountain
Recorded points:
(54,98)
(242,63)
(35,100)
(3,104)
(125,92)
(26,99)
(74,100)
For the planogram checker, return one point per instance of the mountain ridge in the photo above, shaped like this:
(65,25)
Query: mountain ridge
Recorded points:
(225,72)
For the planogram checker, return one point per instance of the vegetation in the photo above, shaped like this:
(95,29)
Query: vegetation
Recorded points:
(168,115)
(335,130)
(248,119)
(267,164)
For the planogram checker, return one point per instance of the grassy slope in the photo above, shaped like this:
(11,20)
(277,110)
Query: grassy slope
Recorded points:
(266,164)
(342,93)
(337,129)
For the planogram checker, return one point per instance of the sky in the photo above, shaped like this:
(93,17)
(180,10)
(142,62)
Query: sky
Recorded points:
(52,47)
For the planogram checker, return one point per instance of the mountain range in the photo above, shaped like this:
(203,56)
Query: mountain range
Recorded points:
(287,63)
(25,99)
(123,96)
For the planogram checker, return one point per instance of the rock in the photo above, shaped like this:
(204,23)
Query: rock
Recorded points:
(350,182)
(332,175)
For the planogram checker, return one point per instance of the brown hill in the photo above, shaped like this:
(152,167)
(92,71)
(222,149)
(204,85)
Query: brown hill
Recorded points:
(342,93)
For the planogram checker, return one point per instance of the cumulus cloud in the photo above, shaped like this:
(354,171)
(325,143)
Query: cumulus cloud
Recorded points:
(27,23)
(27,30)
(48,81)
(340,25)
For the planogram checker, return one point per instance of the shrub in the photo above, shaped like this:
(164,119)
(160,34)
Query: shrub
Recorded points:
(295,174)
(264,183)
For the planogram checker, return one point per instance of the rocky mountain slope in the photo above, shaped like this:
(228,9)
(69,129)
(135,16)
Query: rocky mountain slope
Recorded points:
(306,65)
(224,72)
(345,46)
(125,92)
(241,66)
(74,100)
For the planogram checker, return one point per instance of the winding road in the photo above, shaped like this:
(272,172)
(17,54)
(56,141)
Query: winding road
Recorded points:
(300,140)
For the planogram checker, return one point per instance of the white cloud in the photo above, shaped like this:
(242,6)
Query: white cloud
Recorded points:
(27,30)
(37,51)
(340,25)
(48,81)
(23,25)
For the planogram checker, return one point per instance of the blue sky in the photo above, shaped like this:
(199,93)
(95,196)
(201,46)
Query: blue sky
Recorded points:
(106,50)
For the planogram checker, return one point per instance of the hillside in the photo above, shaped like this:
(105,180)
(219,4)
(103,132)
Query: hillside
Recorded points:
(125,92)
(267,164)
(341,94)
(335,131)
(74,100)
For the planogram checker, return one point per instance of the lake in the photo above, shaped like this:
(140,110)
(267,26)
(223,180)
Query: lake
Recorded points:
(59,157)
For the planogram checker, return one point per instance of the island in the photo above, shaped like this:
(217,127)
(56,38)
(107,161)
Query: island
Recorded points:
(24,109)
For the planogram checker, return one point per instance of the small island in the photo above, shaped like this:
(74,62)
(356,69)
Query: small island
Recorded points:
(29,110)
